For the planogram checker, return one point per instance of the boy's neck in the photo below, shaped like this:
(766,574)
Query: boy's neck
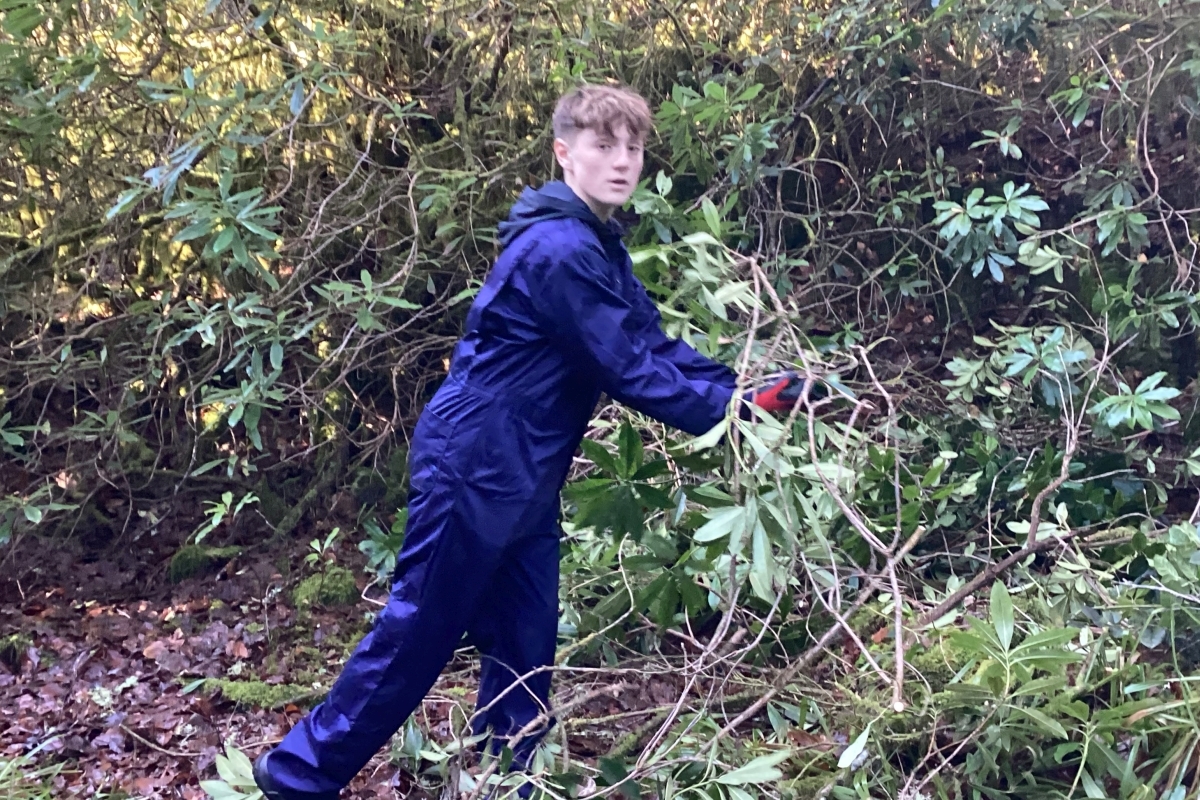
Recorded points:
(604,212)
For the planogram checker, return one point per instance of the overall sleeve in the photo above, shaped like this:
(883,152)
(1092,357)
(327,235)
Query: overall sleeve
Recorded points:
(686,359)
(590,319)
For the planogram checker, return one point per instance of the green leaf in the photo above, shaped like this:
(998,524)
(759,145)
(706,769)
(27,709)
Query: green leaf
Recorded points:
(227,771)
(652,470)
(721,522)
(763,769)
(712,217)
(1166,412)
(241,766)
(241,255)
(831,471)
(715,91)
(713,437)
(366,320)
(1041,686)
(589,489)
(856,748)
(613,772)
(220,790)
(664,602)
(750,93)
(297,101)
(203,468)
(224,239)
(32,513)
(1051,726)
(629,445)
(599,456)
(1081,111)
(22,19)
(259,230)
(1002,614)
(1150,382)
(125,202)
(662,183)
(608,505)
(194,231)
(653,497)
(1056,637)
(250,420)
(762,561)
(398,302)
(1090,787)
(1160,394)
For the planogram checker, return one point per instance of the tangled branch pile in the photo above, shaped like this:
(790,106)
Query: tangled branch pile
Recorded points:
(238,243)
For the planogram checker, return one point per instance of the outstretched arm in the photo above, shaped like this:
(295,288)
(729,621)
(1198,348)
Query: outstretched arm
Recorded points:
(691,363)
(591,319)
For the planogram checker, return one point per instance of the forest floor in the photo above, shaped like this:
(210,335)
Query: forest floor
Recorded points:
(132,685)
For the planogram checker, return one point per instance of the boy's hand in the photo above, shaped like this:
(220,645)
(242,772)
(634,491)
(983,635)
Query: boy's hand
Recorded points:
(780,395)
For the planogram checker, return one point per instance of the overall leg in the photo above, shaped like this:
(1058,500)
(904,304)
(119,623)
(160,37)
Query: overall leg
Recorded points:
(440,572)
(516,634)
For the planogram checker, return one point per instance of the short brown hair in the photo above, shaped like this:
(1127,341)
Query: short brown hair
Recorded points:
(601,108)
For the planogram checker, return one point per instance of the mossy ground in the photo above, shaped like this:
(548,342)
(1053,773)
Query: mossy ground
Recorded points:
(333,587)
(259,694)
(938,663)
(12,650)
(193,559)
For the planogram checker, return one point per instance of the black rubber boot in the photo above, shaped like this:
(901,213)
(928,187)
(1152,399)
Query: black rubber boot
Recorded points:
(273,791)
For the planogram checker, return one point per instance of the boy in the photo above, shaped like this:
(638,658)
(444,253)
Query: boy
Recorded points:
(560,319)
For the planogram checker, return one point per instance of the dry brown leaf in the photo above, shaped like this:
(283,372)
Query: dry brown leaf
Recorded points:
(155,649)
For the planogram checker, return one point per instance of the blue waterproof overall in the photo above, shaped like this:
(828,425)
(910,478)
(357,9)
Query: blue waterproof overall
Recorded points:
(560,319)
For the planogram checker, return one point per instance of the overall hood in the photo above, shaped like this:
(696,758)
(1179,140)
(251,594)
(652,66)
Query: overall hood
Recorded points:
(555,200)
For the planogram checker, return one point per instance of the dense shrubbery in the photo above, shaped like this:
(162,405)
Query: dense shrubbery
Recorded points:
(238,243)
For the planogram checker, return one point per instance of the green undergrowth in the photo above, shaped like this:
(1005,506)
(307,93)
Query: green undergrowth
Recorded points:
(335,586)
(13,648)
(22,777)
(195,559)
(259,694)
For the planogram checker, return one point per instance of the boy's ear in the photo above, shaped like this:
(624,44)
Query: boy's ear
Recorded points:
(562,152)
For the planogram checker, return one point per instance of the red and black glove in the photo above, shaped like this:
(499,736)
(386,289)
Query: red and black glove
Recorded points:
(781,395)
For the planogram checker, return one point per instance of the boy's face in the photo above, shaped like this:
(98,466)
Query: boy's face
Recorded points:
(602,169)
